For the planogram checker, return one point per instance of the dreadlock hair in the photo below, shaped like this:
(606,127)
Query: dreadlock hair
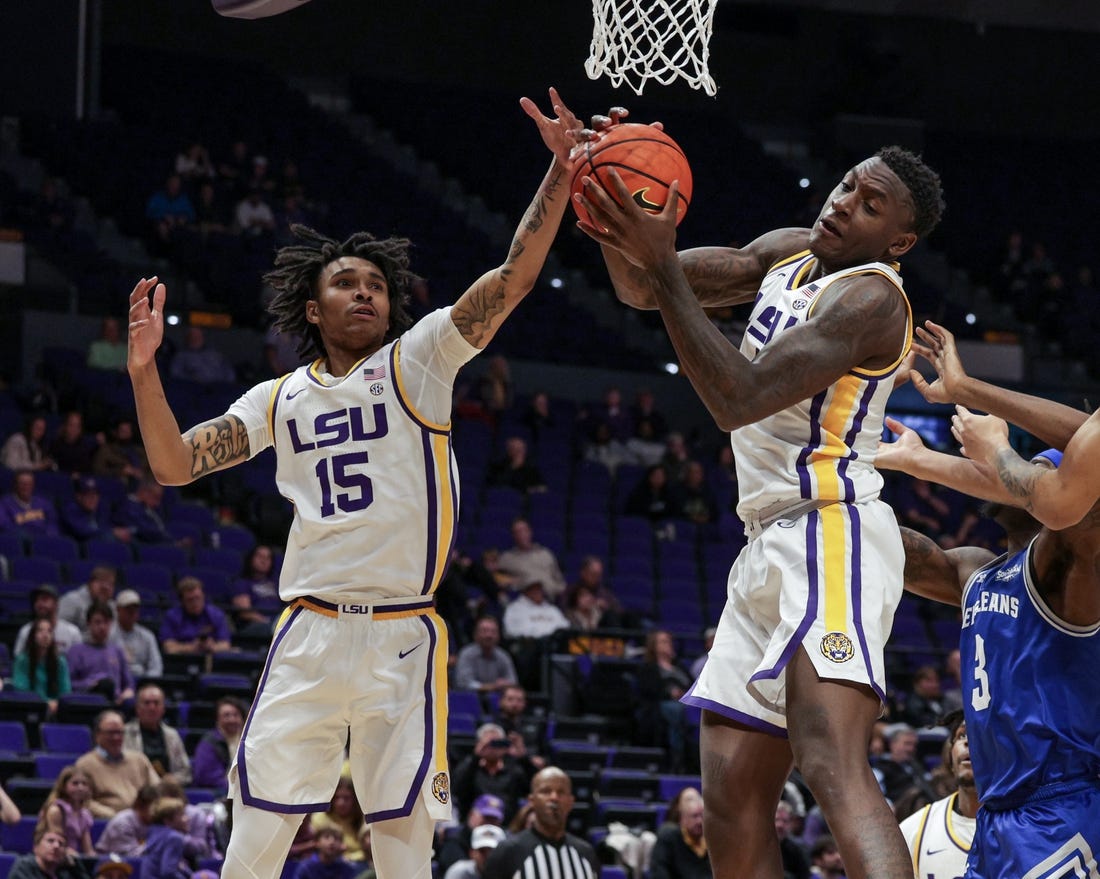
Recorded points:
(923,184)
(298,268)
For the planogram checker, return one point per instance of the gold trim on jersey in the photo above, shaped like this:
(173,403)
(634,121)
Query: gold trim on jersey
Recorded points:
(271,405)
(399,384)
(441,455)
(835,543)
(315,371)
(951,832)
(834,421)
(918,840)
(787,260)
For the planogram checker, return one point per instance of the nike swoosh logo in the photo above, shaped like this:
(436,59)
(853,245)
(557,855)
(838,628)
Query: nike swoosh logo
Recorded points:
(403,653)
(291,396)
(644,203)
(930,852)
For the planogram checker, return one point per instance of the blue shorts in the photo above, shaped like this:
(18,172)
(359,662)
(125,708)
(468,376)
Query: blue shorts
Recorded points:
(1045,838)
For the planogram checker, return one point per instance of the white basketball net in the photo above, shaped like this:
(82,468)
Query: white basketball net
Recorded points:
(637,40)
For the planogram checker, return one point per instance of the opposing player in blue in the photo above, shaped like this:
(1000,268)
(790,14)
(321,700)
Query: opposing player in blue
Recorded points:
(796,674)
(1030,642)
(363,450)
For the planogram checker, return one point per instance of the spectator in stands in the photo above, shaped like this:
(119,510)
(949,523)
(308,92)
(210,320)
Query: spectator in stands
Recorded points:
(676,457)
(253,215)
(113,868)
(66,811)
(484,666)
(680,851)
(26,448)
(796,860)
(142,513)
(195,626)
(590,573)
(137,642)
(534,853)
(826,860)
(216,748)
(85,518)
(661,683)
(114,773)
(197,362)
(924,703)
(234,171)
(109,350)
(708,642)
(693,499)
(52,217)
(495,390)
(200,829)
(921,507)
(601,447)
(22,509)
(490,769)
(951,681)
(259,177)
(514,470)
(163,857)
(899,766)
(582,610)
(532,615)
(527,561)
(211,213)
(255,599)
(280,352)
(71,448)
(161,743)
(100,589)
(44,606)
(125,833)
(49,860)
(121,455)
(651,497)
(193,164)
(649,424)
(345,815)
(537,417)
(483,840)
(328,861)
(519,726)
(487,811)
(97,665)
(611,411)
(168,211)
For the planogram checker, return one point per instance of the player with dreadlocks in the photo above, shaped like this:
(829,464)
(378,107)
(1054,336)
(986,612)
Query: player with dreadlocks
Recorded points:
(362,441)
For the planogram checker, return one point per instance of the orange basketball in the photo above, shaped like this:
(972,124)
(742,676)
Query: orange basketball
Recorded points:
(647,160)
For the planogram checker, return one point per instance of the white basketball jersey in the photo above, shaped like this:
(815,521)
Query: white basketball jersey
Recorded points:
(822,448)
(939,840)
(366,460)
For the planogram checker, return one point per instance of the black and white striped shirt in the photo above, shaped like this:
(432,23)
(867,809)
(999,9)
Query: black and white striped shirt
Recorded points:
(528,855)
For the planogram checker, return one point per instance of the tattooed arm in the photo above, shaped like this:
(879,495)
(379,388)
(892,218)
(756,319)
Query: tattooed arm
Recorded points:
(936,573)
(483,308)
(1057,498)
(717,275)
(174,459)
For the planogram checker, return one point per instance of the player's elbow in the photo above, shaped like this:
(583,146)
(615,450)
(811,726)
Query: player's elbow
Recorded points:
(1061,517)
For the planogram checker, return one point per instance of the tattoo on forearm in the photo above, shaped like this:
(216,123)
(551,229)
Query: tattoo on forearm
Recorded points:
(484,304)
(918,551)
(217,443)
(1016,475)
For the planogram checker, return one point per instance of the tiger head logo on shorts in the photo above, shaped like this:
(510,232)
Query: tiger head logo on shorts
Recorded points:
(441,787)
(837,647)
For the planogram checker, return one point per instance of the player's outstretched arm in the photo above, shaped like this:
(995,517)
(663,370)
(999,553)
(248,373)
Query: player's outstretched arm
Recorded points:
(1053,423)
(175,459)
(1058,498)
(483,308)
(936,573)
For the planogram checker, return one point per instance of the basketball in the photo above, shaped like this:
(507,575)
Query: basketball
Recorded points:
(255,8)
(647,160)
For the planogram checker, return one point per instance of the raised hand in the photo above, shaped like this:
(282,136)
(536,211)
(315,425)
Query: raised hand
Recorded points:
(896,455)
(643,238)
(146,322)
(614,116)
(562,135)
(938,349)
(980,437)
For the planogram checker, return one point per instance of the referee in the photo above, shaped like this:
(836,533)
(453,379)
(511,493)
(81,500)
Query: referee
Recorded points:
(545,850)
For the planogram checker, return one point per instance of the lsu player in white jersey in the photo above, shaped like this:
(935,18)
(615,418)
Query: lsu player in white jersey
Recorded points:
(362,441)
(940,834)
(796,672)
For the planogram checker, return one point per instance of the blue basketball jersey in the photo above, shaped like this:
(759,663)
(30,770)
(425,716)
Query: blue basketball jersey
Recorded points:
(1030,685)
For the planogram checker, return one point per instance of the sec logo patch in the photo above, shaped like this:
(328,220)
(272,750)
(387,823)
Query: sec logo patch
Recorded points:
(837,647)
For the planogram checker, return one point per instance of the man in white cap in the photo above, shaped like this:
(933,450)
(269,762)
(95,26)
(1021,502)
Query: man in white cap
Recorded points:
(483,840)
(139,644)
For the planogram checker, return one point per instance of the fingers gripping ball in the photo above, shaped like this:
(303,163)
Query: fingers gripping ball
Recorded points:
(647,160)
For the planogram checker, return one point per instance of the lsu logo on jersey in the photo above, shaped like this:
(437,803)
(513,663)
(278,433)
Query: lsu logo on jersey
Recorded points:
(837,647)
(336,428)
(441,787)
